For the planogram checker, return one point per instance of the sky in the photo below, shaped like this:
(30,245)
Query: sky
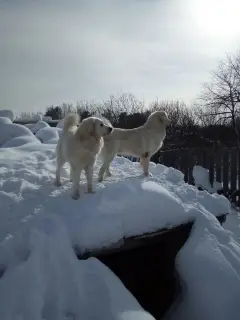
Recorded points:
(55,51)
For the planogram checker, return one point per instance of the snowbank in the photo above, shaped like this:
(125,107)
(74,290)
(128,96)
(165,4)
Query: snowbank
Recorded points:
(20,141)
(201,179)
(37,117)
(40,224)
(8,131)
(60,124)
(7,114)
(209,266)
(49,135)
(140,205)
(4,120)
(50,283)
(39,125)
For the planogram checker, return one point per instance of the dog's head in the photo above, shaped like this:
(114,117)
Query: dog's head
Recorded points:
(158,118)
(93,126)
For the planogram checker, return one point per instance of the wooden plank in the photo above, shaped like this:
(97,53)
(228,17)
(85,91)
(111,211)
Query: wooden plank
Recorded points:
(218,165)
(185,166)
(211,168)
(239,176)
(233,174)
(204,159)
(225,169)
(139,241)
(191,165)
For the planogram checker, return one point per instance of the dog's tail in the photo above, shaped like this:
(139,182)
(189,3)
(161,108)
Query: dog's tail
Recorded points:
(71,120)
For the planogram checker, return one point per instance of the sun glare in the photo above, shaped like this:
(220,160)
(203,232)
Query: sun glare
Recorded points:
(216,17)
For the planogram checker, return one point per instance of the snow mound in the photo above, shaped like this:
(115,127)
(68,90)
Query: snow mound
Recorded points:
(5,120)
(49,135)
(52,284)
(8,131)
(60,124)
(209,266)
(7,114)
(20,141)
(39,125)
(27,187)
(29,125)
(37,117)
(47,118)
(201,179)
(40,224)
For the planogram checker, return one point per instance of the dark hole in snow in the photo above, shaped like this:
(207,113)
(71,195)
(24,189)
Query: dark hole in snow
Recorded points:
(146,266)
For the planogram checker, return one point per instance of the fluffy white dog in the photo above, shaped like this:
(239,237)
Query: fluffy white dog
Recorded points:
(141,142)
(79,146)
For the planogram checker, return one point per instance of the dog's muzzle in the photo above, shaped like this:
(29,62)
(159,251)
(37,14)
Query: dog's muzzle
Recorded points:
(109,129)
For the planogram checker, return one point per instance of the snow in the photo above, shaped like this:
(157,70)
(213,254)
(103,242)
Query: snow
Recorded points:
(209,267)
(201,179)
(27,187)
(37,117)
(7,114)
(232,224)
(49,135)
(60,124)
(50,283)
(41,224)
(8,131)
(5,120)
(39,125)
(20,141)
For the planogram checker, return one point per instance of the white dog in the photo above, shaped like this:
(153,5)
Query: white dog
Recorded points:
(79,146)
(141,142)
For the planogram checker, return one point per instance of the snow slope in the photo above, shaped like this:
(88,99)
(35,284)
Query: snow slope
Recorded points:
(40,224)
(209,268)
(50,283)
(27,191)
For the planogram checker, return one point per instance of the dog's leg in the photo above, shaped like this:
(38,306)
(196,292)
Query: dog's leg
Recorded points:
(105,167)
(60,163)
(75,193)
(89,176)
(108,172)
(144,161)
(71,174)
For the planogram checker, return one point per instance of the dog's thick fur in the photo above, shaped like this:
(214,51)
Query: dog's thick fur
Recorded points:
(141,142)
(79,146)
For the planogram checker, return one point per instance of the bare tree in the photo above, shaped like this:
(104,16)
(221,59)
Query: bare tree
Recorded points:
(221,96)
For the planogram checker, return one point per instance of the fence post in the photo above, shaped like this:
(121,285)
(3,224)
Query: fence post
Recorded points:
(218,161)
(211,168)
(225,170)
(233,175)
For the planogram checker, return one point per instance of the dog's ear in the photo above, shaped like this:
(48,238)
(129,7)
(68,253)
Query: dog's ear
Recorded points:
(164,118)
(86,128)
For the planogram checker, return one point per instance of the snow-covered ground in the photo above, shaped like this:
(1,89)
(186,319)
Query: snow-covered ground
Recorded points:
(40,224)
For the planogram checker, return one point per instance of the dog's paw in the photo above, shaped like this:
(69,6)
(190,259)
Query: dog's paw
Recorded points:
(91,191)
(108,173)
(147,175)
(57,183)
(100,179)
(75,195)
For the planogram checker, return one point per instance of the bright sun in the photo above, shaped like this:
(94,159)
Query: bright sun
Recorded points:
(216,17)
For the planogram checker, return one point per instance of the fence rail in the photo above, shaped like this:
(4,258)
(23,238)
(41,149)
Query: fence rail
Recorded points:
(223,165)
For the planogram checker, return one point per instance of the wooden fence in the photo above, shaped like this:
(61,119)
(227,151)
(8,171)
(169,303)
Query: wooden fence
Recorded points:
(223,165)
